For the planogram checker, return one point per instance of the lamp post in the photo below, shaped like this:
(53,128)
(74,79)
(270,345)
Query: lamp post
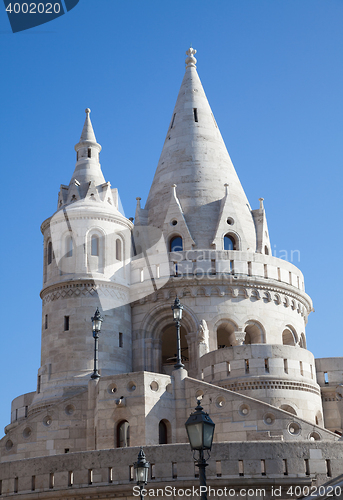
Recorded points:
(141,471)
(177,315)
(200,430)
(96,326)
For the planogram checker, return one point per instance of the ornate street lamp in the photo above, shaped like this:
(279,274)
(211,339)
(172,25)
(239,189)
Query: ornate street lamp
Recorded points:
(200,430)
(141,471)
(96,326)
(177,315)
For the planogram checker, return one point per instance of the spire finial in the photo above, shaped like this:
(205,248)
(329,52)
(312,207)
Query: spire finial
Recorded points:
(87,110)
(190,60)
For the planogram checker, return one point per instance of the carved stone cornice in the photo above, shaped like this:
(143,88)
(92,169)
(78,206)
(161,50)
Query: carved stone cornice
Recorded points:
(260,289)
(81,289)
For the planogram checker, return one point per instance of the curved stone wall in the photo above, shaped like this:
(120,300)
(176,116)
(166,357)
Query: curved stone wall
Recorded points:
(283,376)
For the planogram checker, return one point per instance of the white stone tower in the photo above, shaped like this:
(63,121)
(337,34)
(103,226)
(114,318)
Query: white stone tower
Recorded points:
(86,264)
(245,310)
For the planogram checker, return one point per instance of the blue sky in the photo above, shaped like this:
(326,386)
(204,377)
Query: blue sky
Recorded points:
(273,74)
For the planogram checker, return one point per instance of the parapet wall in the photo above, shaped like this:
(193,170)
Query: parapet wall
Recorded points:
(110,472)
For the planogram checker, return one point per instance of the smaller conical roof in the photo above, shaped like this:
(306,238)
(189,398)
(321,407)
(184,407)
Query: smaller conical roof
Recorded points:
(87,168)
(87,131)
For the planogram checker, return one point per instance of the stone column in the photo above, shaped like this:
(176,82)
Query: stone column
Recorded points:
(180,404)
(240,335)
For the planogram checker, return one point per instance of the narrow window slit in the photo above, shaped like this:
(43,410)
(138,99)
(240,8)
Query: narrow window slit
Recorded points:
(70,478)
(195,111)
(240,468)
(66,323)
(328,468)
(110,475)
(173,119)
(263,467)
(90,476)
(174,470)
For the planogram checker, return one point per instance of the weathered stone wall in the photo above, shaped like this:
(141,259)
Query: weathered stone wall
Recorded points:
(109,473)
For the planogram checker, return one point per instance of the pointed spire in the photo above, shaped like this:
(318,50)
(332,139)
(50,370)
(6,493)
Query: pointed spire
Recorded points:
(195,157)
(88,132)
(87,167)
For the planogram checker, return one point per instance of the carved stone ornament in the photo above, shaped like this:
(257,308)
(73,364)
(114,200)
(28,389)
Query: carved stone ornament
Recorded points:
(203,332)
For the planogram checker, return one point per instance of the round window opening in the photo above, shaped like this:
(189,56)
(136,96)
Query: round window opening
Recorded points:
(174,222)
(69,409)
(47,421)
(230,221)
(294,429)
(220,402)
(112,389)
(9,445)
(27,432)
(131,386)
(199,394)
(154,386)
(269,418)
(314,436)
(244,410)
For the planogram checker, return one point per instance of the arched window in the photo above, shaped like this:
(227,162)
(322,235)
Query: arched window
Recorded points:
(176,244)
(123,434)
(302,341)
(118,249)
(162,433)
(69,246)
(49,252)
(229,242)
(288,337)
(266,251)
(95,245)
(288,408)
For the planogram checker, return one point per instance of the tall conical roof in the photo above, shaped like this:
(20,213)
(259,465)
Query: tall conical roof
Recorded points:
(194,157)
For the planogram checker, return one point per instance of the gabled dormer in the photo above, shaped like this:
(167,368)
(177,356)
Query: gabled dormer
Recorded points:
(230,232)
(175,229)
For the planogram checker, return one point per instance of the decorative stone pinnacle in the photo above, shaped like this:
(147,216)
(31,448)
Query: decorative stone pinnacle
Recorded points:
(190,60)
(87,110)
(261,203)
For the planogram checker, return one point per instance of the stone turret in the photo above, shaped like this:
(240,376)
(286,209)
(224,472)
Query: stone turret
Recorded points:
(86,265)
(253,304)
